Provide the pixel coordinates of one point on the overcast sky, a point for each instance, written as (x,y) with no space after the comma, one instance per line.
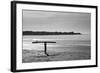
(56,21)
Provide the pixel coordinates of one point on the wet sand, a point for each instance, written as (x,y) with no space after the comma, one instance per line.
(70,53)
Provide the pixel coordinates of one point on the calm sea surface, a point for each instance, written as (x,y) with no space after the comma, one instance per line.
(62,41)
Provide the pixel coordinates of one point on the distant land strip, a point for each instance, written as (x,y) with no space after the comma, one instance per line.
(49,33)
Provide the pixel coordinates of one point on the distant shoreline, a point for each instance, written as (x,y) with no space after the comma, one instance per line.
(49,33)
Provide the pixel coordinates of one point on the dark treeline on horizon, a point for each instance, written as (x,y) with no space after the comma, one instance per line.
(48,33)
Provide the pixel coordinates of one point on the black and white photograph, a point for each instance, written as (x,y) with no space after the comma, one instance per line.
(55,36)
(47,36)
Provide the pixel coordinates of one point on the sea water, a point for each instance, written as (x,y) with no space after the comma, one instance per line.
(63,42)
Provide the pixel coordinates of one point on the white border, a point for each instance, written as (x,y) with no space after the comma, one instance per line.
(21,65)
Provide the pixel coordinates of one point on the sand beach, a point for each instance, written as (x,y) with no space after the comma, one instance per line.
(70,53)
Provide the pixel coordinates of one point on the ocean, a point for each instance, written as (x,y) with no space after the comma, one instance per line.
(63,42)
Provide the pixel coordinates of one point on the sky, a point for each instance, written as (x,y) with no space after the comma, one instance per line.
(56,21)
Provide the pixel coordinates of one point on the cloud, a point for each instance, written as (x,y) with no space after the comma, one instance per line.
(56,21)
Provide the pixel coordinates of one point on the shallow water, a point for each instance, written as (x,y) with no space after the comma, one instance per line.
(67,47)
(62,41)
